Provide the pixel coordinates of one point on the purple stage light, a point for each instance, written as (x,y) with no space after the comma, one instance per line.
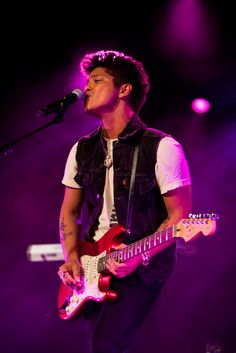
(200,105)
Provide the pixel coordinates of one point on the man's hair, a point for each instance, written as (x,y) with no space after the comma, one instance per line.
(123,69)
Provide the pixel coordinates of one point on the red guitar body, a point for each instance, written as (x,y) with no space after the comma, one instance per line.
(95,285)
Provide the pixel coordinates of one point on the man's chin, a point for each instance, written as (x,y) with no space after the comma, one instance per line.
(92,112)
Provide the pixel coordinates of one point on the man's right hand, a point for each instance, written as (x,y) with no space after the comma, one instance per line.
(70,274)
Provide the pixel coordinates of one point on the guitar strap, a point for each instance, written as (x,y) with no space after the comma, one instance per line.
(131,190)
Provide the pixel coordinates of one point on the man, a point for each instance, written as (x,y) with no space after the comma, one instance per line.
(97,189)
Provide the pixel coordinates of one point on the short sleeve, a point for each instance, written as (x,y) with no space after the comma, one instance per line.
(171,168)
(71,168)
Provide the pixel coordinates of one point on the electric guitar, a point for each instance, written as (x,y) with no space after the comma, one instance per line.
(94,257)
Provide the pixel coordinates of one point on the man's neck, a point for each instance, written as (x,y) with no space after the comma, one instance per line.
(113,125)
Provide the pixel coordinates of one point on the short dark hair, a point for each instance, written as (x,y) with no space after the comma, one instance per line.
(124,69)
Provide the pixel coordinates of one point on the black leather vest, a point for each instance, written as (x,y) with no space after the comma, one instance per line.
(148,207)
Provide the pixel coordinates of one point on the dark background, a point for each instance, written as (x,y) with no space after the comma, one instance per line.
(40,52)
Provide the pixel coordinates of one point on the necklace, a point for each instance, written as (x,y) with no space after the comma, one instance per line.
(108,159)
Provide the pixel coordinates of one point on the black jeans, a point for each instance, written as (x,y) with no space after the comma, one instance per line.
(112,325)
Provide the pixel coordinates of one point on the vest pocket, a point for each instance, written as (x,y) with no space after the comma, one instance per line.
(145,184)
(84,178)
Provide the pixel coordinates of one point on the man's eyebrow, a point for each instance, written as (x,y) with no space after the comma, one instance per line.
(97,75)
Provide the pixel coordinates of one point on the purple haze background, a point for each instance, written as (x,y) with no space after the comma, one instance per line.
(40,64)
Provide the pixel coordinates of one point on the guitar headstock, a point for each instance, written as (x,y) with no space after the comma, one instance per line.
(192,227)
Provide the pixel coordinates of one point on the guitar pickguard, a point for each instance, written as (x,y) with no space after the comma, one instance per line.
(90,285)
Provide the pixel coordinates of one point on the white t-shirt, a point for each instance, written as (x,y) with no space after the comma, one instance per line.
(171,171)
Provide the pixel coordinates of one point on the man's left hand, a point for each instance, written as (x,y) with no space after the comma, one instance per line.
(124,268)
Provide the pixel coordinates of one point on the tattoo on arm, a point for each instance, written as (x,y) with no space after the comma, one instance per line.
(164,224)
(64,231)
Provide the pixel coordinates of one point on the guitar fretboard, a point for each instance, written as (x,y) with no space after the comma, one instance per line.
(137,248)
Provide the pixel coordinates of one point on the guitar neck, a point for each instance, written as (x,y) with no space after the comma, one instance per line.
(128,252)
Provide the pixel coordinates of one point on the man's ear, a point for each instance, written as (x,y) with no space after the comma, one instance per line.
(125,90)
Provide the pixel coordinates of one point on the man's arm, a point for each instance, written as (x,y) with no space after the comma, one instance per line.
(69,272)
(178,203)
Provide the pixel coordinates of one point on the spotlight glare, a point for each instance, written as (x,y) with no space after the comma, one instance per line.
(200,105)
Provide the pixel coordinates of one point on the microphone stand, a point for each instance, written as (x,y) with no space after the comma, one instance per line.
(7,148)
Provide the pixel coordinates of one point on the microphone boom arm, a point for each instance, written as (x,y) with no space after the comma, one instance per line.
(7,148)
(57,107)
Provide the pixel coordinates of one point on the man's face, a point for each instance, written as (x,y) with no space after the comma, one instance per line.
(101,95)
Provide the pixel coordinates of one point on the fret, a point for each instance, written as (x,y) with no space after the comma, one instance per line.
(125,254)
(170,233)
(139,247)
(152,241)
(144,246)
(131,251)
(134,246)
(160,238)
(167,235)
(135,250)
(119,257)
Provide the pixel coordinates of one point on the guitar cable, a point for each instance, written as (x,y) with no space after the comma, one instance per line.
(63,306)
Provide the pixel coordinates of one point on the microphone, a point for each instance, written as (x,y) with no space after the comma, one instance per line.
(62,104)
